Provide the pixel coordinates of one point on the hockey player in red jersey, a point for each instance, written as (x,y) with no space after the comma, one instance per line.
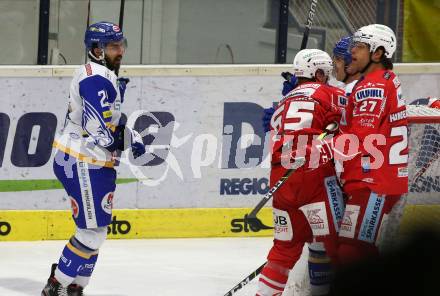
(376,176)
(308,207)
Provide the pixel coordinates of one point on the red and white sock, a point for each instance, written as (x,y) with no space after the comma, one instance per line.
(272,280)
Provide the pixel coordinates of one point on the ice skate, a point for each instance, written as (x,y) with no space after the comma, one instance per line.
(53,287)
(75,290)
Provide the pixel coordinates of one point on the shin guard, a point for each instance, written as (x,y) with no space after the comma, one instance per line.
(320,270)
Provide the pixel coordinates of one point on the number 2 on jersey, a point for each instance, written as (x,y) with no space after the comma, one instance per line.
(103,98)
(395,151)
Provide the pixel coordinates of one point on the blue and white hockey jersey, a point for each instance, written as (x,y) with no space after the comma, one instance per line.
(94,113)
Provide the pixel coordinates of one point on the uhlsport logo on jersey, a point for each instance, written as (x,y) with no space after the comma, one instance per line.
(369,93)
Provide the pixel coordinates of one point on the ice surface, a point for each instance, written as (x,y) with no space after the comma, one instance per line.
(162,267)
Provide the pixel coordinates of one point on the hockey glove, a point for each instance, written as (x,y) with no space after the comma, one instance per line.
(325,149)
(137,145)
(122,84)
(318,153)
(128,138)
(290,83)
(266,118)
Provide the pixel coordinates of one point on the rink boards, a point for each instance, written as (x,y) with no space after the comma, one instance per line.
(171,223)
(208,153)
(145,223)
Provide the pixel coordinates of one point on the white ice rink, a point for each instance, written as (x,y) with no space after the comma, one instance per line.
(160,267)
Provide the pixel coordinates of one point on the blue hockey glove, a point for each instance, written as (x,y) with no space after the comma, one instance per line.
(266,118)
(122,84)
(290,83)
(137,146)
(138,149)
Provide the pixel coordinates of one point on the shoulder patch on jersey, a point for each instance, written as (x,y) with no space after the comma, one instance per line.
(387,75)
(342,101)
(107,113)
(88,69)
(398,116)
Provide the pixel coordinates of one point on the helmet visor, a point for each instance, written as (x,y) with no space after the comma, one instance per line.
(117,45)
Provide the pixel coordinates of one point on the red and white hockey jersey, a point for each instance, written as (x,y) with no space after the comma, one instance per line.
(304,113)
(376,116)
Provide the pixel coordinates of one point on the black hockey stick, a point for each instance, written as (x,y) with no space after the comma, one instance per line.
(121,14)
(255,223)
(88,24)
(121,24)
(245,281)
(309,23)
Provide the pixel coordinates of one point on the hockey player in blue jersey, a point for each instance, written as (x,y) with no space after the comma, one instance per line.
(86,152)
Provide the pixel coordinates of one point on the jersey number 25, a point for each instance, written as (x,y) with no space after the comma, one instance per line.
(299,111)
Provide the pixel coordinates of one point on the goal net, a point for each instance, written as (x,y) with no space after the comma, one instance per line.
(423,181)
(424,155)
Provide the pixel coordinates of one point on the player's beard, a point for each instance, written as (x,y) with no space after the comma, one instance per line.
(113,64)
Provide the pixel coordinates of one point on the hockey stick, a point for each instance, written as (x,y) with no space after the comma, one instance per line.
(245,281)
(88,24)
(121,14)
(252,219)
(256,223)
(121,24)
(311,15)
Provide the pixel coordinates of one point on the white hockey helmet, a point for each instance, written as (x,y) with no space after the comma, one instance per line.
(377,35)
(308,61)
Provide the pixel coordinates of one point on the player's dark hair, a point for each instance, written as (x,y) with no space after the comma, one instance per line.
(386,62)
(304,79)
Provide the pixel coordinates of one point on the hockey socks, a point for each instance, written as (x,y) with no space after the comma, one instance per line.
(73,260)
(85,272)
(272,280)
(320,270)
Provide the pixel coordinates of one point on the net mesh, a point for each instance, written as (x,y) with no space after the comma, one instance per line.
(424,155)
